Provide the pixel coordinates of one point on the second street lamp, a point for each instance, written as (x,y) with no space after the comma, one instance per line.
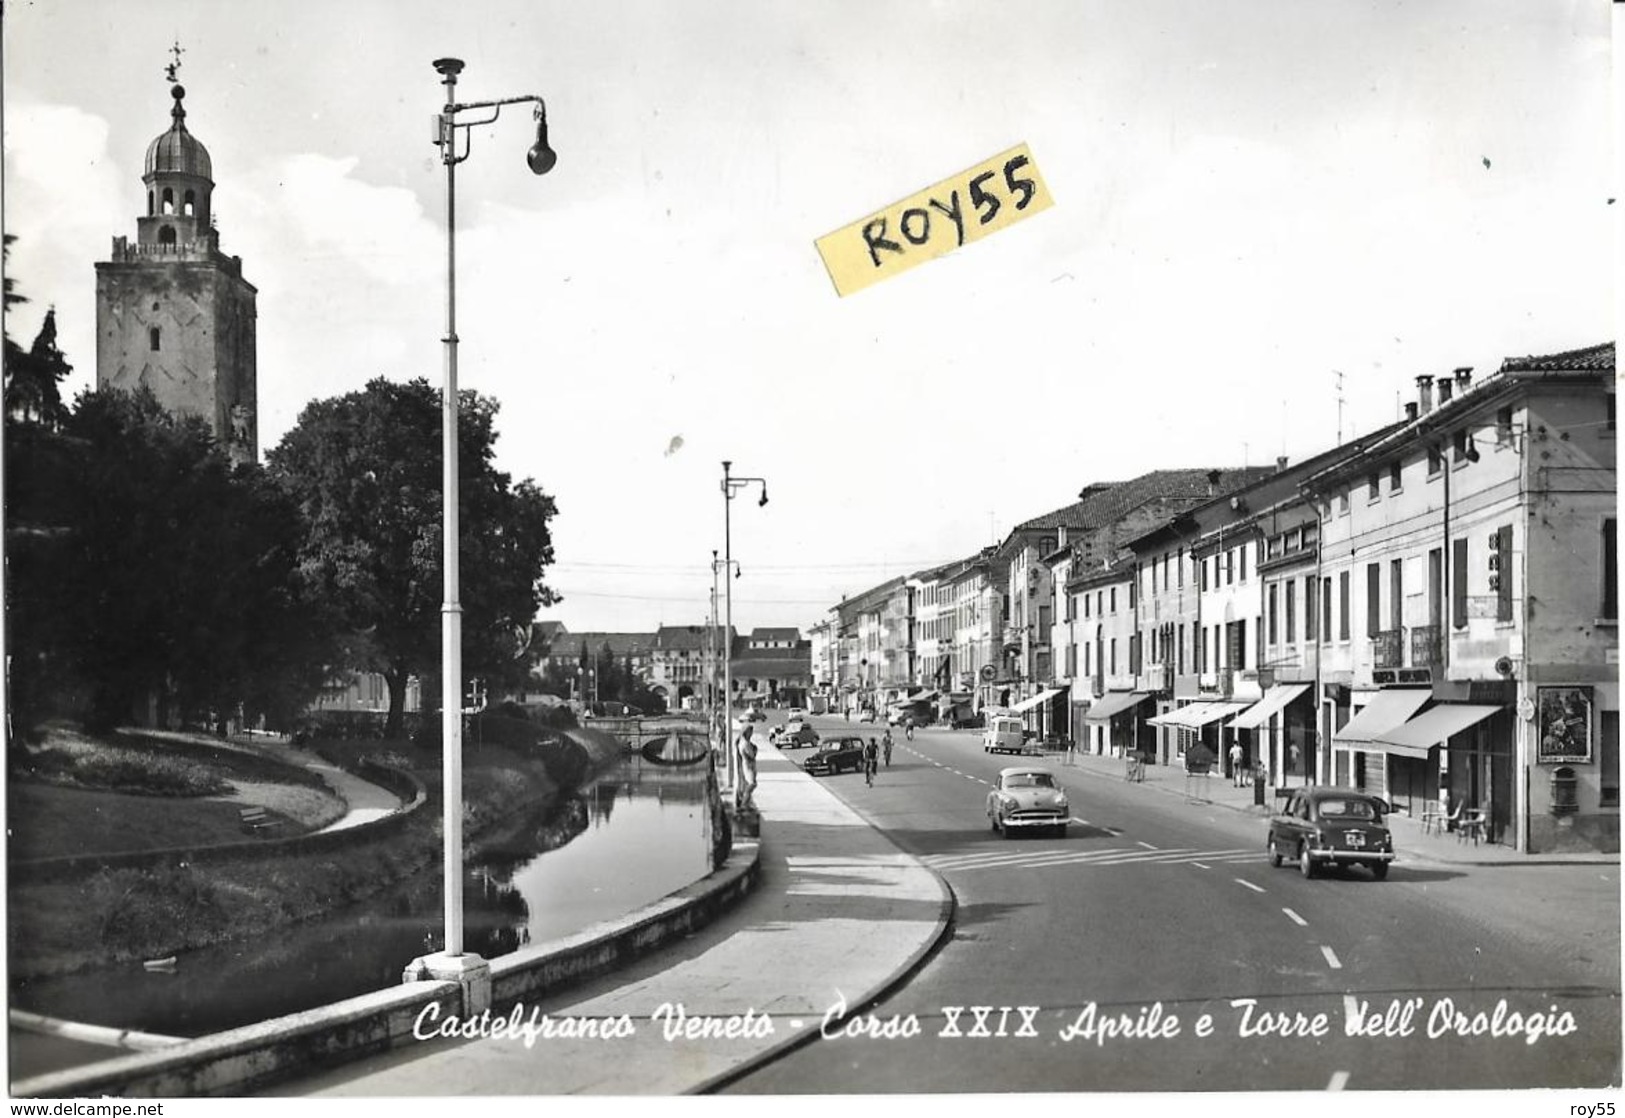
(451,962)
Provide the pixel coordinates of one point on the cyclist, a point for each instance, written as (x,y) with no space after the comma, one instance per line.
(870,759)
(885,746)
(908,727)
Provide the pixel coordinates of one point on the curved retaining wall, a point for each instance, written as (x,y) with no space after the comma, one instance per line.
(241,1060)
(408,787)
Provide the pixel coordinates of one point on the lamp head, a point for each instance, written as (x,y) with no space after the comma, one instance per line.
(541,157)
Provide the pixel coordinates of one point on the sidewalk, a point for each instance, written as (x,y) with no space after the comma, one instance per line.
(1410,842)
(840,914)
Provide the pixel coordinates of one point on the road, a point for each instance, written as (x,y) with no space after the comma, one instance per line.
(1155,949)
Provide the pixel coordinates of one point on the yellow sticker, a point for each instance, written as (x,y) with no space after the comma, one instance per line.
(980,200)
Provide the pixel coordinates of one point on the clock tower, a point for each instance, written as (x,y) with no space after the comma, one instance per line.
(172,311)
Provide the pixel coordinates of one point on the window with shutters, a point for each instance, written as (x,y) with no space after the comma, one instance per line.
(1458,583)
(1610,568)
(1501,573)
(1373,599)
(1343,606)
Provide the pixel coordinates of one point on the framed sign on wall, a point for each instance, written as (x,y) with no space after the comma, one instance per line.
(1564,723)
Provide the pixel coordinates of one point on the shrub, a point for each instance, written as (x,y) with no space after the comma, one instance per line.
(117,769)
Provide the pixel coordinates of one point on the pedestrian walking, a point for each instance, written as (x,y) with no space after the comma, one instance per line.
(908,728)
(1235,763)
(871,757)
(885,746)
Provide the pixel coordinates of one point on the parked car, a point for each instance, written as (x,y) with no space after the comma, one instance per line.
(968,721)
(1323,826)
(796,735)
(844,754)
(1004,734)
(794,713)
(1028,796)
(867,714)
(755,715)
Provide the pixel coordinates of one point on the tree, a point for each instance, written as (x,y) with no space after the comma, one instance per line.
(33,377)
(160,571)
(365,470)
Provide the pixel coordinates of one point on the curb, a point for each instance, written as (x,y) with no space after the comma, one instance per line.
(947,906)
(1413,857)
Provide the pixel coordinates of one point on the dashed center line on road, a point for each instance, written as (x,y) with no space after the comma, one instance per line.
(1249,885)
(1147,845)
(1295,918)
(1201,865)
(1331,957)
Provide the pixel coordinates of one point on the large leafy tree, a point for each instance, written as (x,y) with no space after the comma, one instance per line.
(155,568)
(365,469)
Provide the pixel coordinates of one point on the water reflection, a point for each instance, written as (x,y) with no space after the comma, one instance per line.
(639,832)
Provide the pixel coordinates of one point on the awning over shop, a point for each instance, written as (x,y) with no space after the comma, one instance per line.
(1177,716)
(1274,701)
(1431,727)
(1386,711)
(1114,702)
(1036,700)
(1196,715)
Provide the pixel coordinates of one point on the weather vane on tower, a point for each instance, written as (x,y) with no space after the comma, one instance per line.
(169,70)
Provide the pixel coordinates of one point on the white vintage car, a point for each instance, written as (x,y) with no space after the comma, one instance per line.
(1028,796)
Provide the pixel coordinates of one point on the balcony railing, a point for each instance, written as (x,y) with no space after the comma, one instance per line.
(1388,649)
(1425,651)
(1220,684)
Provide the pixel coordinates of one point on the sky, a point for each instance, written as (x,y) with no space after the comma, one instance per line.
(1260,207)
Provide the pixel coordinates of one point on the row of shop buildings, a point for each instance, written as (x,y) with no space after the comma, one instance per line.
(1431,608)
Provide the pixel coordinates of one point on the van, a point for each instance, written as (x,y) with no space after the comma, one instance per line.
(1004,734)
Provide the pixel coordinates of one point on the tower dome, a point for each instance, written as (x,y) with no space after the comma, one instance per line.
(177,151)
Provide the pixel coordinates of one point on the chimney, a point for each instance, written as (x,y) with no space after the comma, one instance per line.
(1445,385)
(1464,379)
(1424,394)
(1410,410)
(1213,482)
(1280,464)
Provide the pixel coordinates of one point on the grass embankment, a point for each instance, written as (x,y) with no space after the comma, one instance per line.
(114,916)
(74,794)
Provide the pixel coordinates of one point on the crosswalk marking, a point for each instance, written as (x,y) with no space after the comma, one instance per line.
(1111,856)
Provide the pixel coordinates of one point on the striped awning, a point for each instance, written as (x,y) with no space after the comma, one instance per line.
(1432,727)
(1273,702)
(1386,711)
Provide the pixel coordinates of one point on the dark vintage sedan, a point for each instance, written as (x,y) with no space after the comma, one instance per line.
(1332,827)
(836,755)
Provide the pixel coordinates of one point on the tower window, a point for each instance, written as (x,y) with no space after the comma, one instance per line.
(189,204)
(154,338)
(169,201)
(152,203)
(166,235)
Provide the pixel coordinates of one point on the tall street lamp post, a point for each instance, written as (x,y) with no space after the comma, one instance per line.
(452,962)
(730,485)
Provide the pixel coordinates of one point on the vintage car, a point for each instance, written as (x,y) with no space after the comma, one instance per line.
(1028,796)
(1322,826)
(867,714)
(795,735)
(836,755)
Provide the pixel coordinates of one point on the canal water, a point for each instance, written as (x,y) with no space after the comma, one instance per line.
(639,832)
